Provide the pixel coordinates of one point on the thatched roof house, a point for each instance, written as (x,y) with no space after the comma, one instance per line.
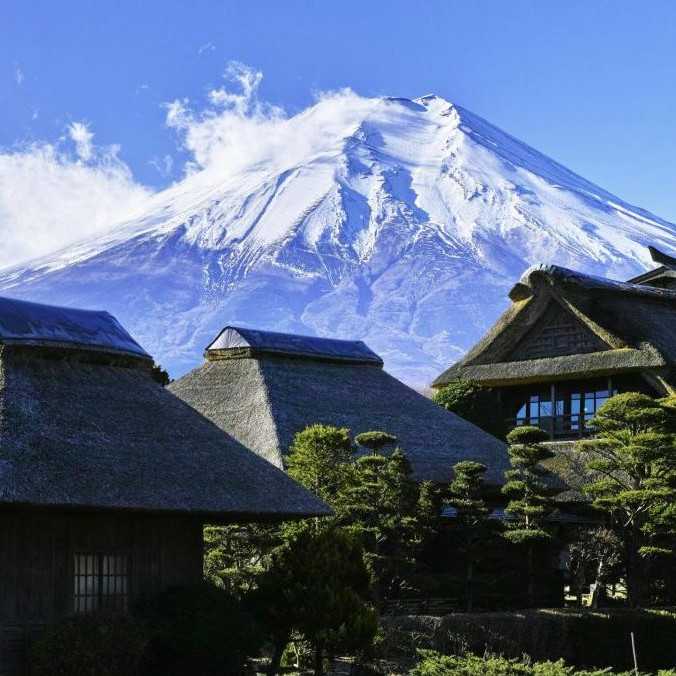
(105,476)
(569,341)
(83,424)
(262,388)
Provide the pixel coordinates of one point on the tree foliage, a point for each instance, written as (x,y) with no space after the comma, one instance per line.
(392,515)
(234,555)
(473,402)
(375,441)
(632,458)
(318,586)
(320,458)
(472,526)
(530,490)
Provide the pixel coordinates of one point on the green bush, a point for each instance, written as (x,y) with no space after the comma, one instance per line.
(473,402)
(197,630)
(434,664)
(584,639)
(100,644)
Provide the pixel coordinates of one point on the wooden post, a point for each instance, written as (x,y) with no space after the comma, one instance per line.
(633,650)
(552,396)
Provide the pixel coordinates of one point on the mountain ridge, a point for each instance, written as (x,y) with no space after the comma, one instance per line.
(399,222)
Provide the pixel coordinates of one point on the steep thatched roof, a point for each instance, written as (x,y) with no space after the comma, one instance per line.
(87,429)
(621,327)
(263,399)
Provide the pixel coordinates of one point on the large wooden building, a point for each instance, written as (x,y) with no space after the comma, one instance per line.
(569,341)
(106,478)
(262,387)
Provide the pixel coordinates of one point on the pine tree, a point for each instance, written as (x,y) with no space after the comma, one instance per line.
(530,494)
(632,458)
(391,515)
(321,459)
(317,585)
(375,441)
(471,524)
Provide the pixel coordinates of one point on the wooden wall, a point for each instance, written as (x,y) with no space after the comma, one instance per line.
(36,564)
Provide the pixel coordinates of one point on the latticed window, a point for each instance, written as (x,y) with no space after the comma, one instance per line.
(101,582)
(563,409)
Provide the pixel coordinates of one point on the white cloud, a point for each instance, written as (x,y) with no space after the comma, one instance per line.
(82,137)
(238,129)
(18,76)
(54,194)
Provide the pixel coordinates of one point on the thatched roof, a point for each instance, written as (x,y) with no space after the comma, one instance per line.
(263,399)
(239,341)
(621,327)
(24,323)
(84,429)
(664,276)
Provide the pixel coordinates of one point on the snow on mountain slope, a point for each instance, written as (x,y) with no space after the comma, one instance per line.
(399,222)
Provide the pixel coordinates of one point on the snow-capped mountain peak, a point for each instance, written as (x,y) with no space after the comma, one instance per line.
(400,222)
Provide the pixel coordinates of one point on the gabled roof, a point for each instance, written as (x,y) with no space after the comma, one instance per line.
(27,323)
(232,339)
(263,401)
(664,275)
(635,323)
(81,432)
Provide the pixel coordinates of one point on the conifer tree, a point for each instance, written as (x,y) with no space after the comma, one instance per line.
(391,515)
(317,585)
(632,458)
(530,494)
(471,524)
(375,440)
(321,459)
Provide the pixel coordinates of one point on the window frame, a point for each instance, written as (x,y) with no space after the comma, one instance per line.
(102,597)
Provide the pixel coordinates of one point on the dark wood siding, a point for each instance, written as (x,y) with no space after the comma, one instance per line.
(36,564)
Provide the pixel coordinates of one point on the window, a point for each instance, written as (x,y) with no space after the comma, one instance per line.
(563,409)
(101,582)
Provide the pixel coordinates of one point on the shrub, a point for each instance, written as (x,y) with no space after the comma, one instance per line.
(198,630)
(582,638)
(100,644)
(434,664)
(473,402)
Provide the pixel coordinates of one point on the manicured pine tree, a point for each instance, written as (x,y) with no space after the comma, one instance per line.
(471,523)
(375,440)
(321,459)
(530,495)
(391,515)
(317,585)
(632,458)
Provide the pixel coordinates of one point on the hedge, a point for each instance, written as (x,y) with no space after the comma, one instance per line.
(583,638)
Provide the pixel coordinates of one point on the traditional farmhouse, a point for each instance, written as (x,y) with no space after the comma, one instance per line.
(106,477)
(569,341)
(261,388)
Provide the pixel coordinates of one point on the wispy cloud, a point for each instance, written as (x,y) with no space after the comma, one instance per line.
(54,194)
(206,47)
(237,128)
(82,137)
(164,165)
(18,75)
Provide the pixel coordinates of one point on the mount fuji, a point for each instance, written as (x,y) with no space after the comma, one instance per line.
(399,222)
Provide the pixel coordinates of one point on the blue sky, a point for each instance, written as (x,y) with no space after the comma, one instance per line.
(588,83)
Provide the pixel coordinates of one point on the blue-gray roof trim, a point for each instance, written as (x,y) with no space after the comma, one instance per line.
(23,322)
(234,337)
